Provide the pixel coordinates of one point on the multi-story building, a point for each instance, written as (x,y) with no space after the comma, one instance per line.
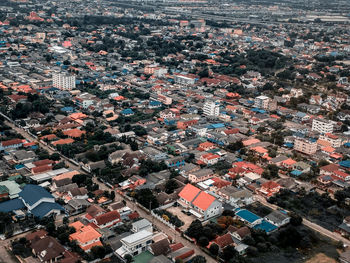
(63,81)
(262,102)
(204,205)
(334,140)
(322,126)
(135,243)
(305,146)
(211,108)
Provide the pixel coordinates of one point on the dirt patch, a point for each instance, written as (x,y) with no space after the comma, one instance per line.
(321,258)
(183,217)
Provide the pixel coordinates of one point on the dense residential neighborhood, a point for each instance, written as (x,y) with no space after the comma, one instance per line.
(174,131)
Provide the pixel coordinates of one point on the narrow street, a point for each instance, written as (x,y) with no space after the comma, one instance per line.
(162,226)
(313,226)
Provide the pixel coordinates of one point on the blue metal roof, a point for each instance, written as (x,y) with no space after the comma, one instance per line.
(296,172)
(266,226)
(216,125)
(44,208)
(11,205)
(67,109)
(345,164)
(247,215)
(127,111)
(33,193)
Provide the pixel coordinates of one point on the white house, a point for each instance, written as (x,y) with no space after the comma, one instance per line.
(135,243)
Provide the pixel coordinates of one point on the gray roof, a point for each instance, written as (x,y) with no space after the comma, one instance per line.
(277,216)
(141,223)
(202,172)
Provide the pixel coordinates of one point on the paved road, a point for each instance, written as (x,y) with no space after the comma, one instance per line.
(162,226)
(5,257)
(28,137)
(306,222)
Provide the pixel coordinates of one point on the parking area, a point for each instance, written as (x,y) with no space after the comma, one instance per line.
(187,219)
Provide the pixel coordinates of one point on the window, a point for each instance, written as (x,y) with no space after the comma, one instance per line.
(149,242)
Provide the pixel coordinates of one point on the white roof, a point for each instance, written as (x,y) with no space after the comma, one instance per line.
(143,234)
(48,175)
(252,176)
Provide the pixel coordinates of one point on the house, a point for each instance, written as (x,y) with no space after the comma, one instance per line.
(107,220)
(140,225)
(135,244)
(277,218)
(209,158)
(200,175)
(176,161)
(85,236)
(223,241)
(181,254)
(78,193)
(93,211)
(47,249)
(236,197)
(11,144)
(269,188)
(248,217)
(239,233)
(38,201)
(205,205)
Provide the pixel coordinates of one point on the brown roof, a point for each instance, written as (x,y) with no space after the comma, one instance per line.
(78,191)
(94,210)
(161,247)
(11,142)
(224,241)
(36,235)
(243,232)
(47,248)
(107,217)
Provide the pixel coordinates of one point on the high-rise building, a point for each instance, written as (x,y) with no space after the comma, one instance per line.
(211,108)
(63,81)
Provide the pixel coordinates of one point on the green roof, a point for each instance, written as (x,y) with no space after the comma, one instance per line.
(14,178)
(3,190)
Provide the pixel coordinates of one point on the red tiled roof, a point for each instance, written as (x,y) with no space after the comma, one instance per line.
(224,241)
(41,169)
(43,162)
(107,217)
(11,142)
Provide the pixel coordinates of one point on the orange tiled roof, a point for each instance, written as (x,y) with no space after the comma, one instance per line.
(63,141)
(289,161)
(189,192)
(203,200)
(75,133)
(85,234)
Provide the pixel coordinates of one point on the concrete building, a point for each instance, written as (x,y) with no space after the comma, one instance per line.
(262,102)
(322,126)
(211,108)
(305,146)
(63,81)
(135,243)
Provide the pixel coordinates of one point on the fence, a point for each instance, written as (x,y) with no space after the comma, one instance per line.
(163,220)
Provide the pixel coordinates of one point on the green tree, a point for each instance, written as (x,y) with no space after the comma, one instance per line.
(214,249)
(198,259)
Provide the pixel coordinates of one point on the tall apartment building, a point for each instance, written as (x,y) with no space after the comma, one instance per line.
(262,102)
(322,126)
(305,146)
(63,81)
(211,108)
